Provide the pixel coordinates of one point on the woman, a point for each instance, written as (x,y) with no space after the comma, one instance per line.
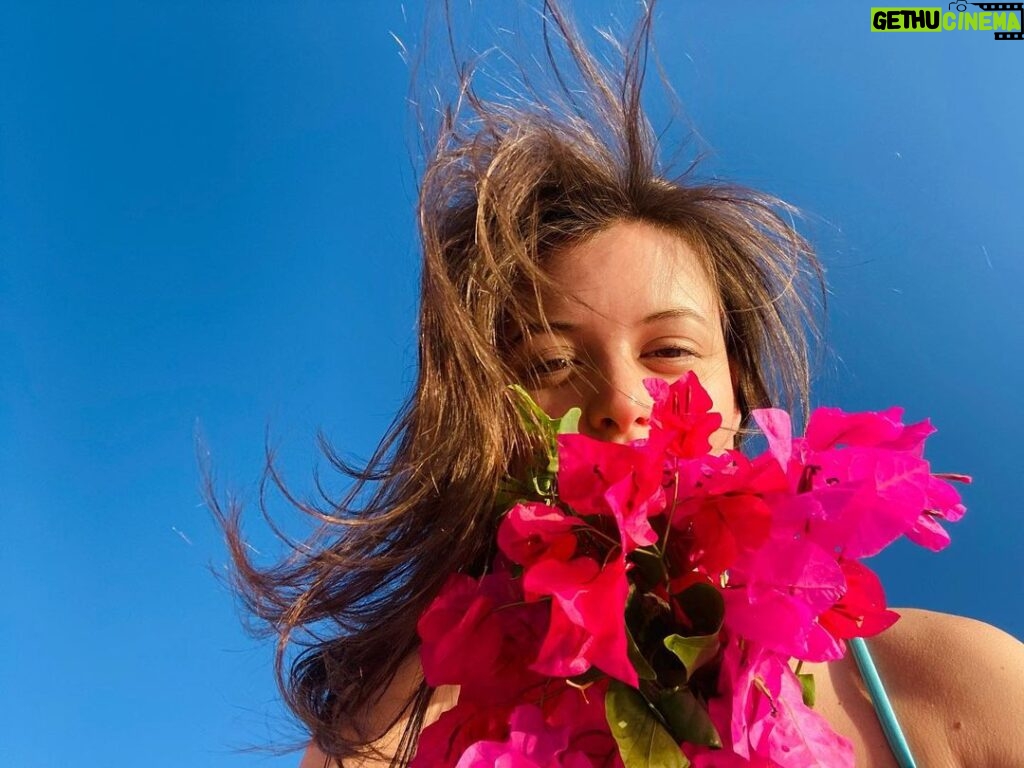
(557,253)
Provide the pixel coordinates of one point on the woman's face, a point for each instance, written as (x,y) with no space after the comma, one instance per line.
(632,302)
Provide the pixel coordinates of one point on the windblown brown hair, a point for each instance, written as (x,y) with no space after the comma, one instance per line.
(506,185)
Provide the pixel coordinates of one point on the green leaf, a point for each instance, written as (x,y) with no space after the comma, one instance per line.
(569,424)
(642,739)
(694,652)
(704,606)
(535,417)
(687,719)
(643,670)
(807,686)
(538,422)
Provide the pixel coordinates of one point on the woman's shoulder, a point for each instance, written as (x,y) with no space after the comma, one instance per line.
(966,659)
(956,683)
(387,719)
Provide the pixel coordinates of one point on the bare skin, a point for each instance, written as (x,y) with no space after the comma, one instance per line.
(957,686)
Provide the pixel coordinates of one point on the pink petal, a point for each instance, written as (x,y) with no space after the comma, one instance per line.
(531,531)
(564,651)
(802,736)
(777,427)
(591,597)
(928,533)
(799,570)
(830,427)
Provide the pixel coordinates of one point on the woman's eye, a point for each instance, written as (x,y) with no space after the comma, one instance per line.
(551,366)
(671,353)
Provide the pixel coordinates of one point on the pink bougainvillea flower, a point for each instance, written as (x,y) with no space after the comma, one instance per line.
(869,496)
(782,625)
(943,503)
(590,743)
(802,736)
(467,641)
(777,427)
(913,436)
(762,718)
(928,533)
(796,569)
(587,616)
(742,712)
(566,649)
(806,515)
(727,474)
(531,743)
(756,685)
(633,499)
(603,478)
(880,480)
(681,417)
(568,730)
(861,611)
(442,743)
(777,601)
(833,427)
(532,531)
(704,757)
(723,527)
(778,536)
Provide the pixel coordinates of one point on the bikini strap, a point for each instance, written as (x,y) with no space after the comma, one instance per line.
(880,700)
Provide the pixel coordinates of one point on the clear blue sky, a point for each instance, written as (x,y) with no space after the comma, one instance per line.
(206,218)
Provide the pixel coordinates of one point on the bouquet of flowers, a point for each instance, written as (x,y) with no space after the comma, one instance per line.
(646,601)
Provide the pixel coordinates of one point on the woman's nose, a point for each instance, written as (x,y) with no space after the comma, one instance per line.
(619,407)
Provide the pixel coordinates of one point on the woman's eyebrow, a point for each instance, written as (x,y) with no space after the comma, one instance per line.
(557,325)
(561,326)
(685,313)
(536,329)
